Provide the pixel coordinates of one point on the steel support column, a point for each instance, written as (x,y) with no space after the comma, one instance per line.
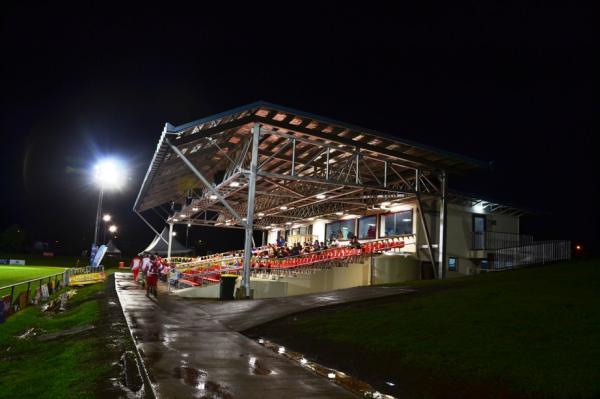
(169,244)
(152,228)
(443,226)
(424,223)
(250,212)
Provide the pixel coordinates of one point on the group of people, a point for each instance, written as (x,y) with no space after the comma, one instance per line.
(152,268)
(283,250)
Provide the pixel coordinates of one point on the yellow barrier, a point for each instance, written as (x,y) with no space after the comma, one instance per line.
(88,278)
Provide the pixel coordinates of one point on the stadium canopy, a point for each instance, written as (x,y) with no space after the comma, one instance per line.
(264,165)
(160,245)
(112,249)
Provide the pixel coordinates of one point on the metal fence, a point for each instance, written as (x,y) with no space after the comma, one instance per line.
(540,252)
(491,240)
(18,296)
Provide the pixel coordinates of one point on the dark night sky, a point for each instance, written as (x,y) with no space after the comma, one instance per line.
(508,84)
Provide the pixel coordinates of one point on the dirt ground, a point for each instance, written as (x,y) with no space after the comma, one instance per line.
(380,371)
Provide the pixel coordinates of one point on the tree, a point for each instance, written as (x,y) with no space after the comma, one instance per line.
(13,239)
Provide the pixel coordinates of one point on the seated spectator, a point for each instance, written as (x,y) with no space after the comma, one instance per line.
(354,243)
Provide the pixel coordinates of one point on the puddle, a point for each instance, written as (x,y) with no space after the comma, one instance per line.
(216,391)
(190,376)
(198,379)
(258,368)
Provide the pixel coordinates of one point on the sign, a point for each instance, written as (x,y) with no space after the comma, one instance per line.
(48,254)
(4,261)
(45,292)
(87,278)
(17,262)
(93,252)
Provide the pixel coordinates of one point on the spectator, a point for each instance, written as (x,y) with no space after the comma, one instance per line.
(354,243)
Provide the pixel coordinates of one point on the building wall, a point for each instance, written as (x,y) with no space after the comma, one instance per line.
(459,234)
(459,231)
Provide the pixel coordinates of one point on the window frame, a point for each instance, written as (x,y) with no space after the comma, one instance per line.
(359,221)
(353,232)
(381,223)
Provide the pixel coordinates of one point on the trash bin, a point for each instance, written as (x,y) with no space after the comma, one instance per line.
(121,265)
(227,286)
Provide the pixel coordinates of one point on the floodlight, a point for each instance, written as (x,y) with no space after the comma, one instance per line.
(106,218)
(112,229)
(109,174)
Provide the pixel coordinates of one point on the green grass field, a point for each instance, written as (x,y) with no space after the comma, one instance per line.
(535,331)
(13,274)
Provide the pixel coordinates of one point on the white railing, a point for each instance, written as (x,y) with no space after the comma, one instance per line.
(540,252)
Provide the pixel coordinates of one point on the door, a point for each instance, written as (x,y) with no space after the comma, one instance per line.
(479,224)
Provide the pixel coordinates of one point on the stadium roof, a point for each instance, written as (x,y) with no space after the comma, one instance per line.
(309,166)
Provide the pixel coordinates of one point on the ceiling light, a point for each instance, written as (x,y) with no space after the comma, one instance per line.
(321,196)
(212,197)
(234,184)
(339,213)
(386,203)
(261,214)
(195,209)
(283,208)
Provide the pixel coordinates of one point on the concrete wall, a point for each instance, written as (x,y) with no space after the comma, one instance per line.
(459,234)
(396,269)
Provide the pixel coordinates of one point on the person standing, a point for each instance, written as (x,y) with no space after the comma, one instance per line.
(152,277)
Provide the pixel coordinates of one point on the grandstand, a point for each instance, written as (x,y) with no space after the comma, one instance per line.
(299,177)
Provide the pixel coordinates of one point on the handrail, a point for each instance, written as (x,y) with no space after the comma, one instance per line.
(35,279)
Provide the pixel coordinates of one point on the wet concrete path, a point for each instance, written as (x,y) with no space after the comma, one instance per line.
(192,348)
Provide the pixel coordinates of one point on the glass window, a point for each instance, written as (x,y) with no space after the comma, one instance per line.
(340,230)
(395,224)
(367,227)
(452,264)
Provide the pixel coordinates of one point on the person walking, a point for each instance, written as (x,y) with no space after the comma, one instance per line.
(152,277)
(136,264)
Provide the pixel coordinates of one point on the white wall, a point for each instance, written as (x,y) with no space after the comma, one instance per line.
(319,229)
(272,236)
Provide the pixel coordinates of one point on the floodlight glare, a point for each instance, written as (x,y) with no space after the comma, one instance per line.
(109,174)
(112,228)
(106,218)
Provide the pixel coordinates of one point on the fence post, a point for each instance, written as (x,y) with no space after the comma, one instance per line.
(12,297)
(28,288)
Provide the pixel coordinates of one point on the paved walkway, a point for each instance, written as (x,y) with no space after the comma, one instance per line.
(191,348)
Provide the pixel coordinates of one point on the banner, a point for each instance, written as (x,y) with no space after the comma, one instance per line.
(87,278)
(99,255)
(17,262)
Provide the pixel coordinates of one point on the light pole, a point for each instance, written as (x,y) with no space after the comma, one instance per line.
(109,174)
(106,218)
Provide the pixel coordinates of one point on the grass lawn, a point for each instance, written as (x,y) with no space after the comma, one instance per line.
(13,274)
(534,331)
(68,367)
